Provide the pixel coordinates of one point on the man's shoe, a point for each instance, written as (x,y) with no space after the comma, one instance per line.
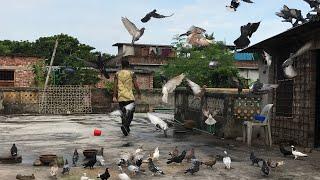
(128,128)
(124,131)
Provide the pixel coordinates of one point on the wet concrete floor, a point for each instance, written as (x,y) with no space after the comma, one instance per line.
(35,135)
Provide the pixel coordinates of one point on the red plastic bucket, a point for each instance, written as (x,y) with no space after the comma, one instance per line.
(97,132)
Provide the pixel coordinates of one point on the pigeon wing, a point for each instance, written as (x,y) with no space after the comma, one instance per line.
(247,1)
(174,82)
(132,28)
(242,42)
(253,28)
(302,50)
(156,15)
(290,72)
(196,89)
(146,18)
(157,121)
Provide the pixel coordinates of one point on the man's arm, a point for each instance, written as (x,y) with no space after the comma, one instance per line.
(136,86)
(115,88)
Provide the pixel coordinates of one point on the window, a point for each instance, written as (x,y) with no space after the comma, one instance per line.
(6,78)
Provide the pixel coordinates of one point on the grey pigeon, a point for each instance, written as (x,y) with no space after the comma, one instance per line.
(14,150)
(246,32)
(261,88)
(265,170)
(289,14)
(153,168)
(66,168)
(75,157)
(153,14)
(132,29)
(194,168)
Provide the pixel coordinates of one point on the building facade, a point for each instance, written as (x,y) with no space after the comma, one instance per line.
(247,66)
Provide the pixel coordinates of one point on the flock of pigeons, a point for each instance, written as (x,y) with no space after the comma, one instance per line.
(132,161)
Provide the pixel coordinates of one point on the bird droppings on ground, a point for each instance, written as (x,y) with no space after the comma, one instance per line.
(61,135)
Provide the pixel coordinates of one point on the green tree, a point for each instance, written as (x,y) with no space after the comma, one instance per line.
(194,62)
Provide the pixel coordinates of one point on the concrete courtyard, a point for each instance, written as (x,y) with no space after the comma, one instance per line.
(60,135)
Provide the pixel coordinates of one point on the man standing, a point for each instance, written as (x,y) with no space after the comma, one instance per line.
(124,82)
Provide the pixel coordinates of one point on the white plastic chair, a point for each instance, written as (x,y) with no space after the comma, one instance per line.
(248,126)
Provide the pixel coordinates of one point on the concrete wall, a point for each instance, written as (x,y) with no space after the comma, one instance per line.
(23,69)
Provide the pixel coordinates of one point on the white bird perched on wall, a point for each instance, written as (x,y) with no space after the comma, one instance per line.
(297,153)
(170,86)
(122,175)
(227,160)
(84,177)
(159,123)
(156,154)
(132,29)
(267,58)
(210,120)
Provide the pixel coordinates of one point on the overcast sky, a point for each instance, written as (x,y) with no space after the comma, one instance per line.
(98,22)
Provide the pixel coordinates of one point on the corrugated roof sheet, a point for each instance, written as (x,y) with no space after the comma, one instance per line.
(243,56)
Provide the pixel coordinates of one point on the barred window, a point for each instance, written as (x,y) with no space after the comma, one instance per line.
(6,78)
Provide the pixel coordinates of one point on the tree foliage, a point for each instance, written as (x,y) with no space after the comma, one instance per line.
(194,62)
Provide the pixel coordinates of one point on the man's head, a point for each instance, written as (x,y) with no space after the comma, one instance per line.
(125,64)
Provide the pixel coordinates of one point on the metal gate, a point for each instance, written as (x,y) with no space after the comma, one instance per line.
(65,100)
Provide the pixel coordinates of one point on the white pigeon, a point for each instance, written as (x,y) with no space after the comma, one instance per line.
(100,160)
(132,29)
(267,58)
(129,107)
(300,51)
(84,177)
(227,161)
(139,150)
(122,175)
(116,113)
(156,154)
(196,89)
(290,72)
(54,170)
(297,153)
(170,86)
(210,120)
(133,169)
(159,123)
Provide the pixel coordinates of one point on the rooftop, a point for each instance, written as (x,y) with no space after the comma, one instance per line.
(148,45)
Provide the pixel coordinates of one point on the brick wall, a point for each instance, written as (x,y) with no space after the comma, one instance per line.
(23,69)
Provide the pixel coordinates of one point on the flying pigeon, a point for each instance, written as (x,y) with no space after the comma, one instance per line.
(284,151)
(159,123)
(14,150)
(54,169)
(84,177)
(289,14)
(210,120)
(156,154)
(297,153)
(153,14)
(177,159)
(227,161)
(261,88)
(170,86)
(193,29)
(246,33)
(314,4)
(66,168)
(75,157)
(265,170)
(194,168)
(25,177)
(198,92)
(254,159)
(122,175)
(190,155)
(199,40)
(132,29)
(153,168)
(105,175)
(90,163)
(174,152)
(233,5)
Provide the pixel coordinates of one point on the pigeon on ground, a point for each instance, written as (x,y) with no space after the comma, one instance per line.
(14,150)
(132,29)
(289,14)
(159,123)
(84,177)
(54,169)
(226,160)
(254,159)
(90,163)
(284,151)
(274,164)
(190,155)
(156,154)
(139,150)
(177,159)
(138,163)
(170,86)
(194,168)
(133,169)
(75,157)
(246,33)
(153,168)
(198,91)
(174,152)
(265,170)
(153,14)
(210,163)
(105,175)
(210,120)
(261,88)
(66,168)
(122,175)
(297,153)
(100,160)
(25,177)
